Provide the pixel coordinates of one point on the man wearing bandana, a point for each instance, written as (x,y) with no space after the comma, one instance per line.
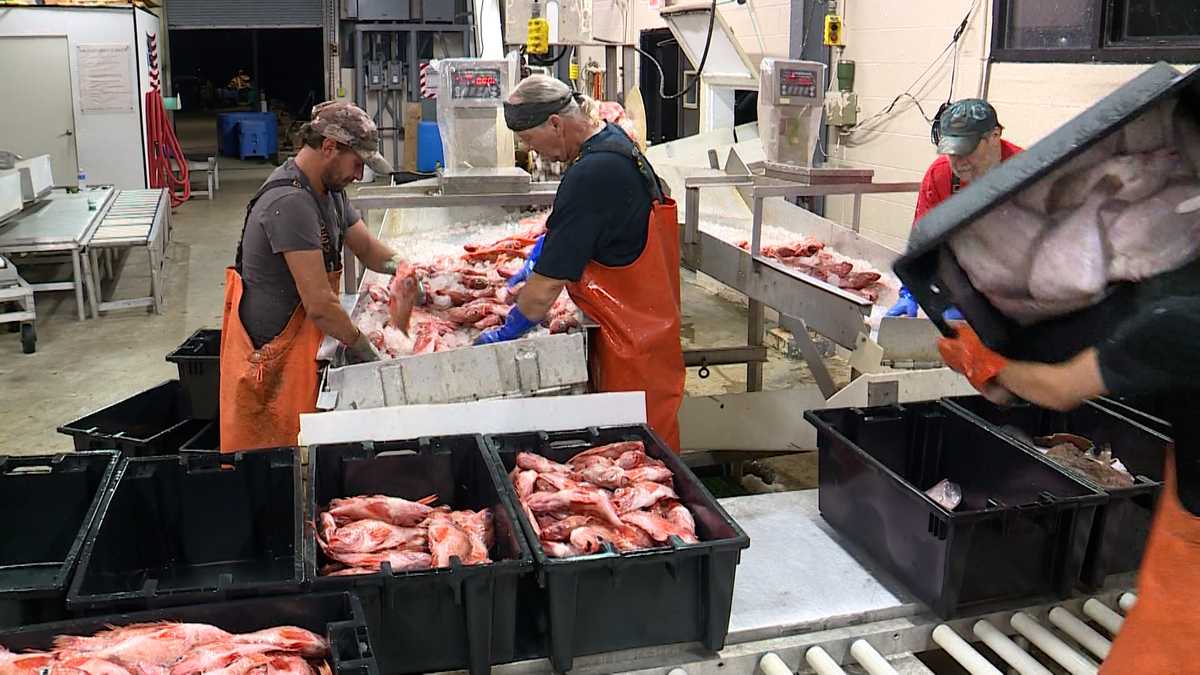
(612,241)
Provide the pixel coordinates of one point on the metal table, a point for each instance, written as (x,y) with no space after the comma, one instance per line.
(62,224)
(134,219)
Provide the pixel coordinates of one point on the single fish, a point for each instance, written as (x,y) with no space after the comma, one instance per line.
(641,496)
(659,528)
(1152,237)
(947,494)
(368,536)
(287,639)
(392,510)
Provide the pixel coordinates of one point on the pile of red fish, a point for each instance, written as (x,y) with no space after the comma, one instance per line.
(176,649)
(359,534)
(807,256)
(613,493)
(465,294)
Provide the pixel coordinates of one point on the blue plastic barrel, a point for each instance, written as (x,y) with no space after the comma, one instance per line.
(429,147)
(228,134)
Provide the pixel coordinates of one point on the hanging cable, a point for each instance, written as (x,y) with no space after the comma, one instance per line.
(913,89)
(563,51)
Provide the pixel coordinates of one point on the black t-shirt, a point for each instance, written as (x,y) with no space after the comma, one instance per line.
(1155,352)
(601,212)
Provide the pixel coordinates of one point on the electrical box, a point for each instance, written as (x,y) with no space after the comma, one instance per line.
(437,11)
(570,20)
(394,71)
(375,76)
(377,10)
(833,31)
(841,109)
(790,104)
(37,178)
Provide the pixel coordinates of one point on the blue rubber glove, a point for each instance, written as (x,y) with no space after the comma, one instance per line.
(905,306)
(953,314)
(515,325)
(527,268)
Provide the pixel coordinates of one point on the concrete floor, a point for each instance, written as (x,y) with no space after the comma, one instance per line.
(80,367)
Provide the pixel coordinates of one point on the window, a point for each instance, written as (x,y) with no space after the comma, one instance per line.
(691,100)
(1112,31)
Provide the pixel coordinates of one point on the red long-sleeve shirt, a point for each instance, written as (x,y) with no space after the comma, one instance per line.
(938,184)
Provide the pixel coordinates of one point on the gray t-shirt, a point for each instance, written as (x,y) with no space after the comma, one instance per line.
(284,219)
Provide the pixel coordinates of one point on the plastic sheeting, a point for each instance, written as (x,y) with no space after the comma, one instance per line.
(471,95)
(789,109)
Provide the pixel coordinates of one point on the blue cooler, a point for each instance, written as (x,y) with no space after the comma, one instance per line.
(253,139)
(229,134)
(429,147)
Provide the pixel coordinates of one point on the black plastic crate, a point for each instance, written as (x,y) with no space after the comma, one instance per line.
(199,362)
(194,528)
(49,502)
(1121,526)
(1021,530)
(208,439)
(337,616)
(153,422)
(461,617)
(1147,411)
(612,600)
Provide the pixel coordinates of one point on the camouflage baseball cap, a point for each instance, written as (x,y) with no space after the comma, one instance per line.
(963,124)
(347,123)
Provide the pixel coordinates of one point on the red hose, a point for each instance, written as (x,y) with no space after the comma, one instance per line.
(162,148)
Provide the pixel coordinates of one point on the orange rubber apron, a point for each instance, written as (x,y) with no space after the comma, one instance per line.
(1162,633)
(264,391)
(637,307)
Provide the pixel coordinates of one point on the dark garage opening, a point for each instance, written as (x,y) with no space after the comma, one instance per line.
(285,64)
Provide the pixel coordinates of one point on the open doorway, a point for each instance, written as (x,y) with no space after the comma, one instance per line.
(664,119)
(236,70)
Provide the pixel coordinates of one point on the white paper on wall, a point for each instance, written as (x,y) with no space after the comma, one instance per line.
(105,78)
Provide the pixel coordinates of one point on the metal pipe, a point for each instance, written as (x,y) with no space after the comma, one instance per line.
(1126,601)
(822,663)
(771,664)
(960,651)
(871,660)
(1062,653)
(1008,650)
(1101,614)
(1080,632)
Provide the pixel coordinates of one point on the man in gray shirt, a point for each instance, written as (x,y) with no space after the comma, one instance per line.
(282,293)
(284,236)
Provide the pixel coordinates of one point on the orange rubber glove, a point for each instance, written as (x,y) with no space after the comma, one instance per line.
(966,353)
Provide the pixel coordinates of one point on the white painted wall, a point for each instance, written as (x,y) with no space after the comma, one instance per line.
(110,145)
(892,42)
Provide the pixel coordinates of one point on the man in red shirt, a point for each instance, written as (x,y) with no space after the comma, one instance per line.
(969,145)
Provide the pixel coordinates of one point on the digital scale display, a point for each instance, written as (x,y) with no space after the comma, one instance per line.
(475,83)
(797,83)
